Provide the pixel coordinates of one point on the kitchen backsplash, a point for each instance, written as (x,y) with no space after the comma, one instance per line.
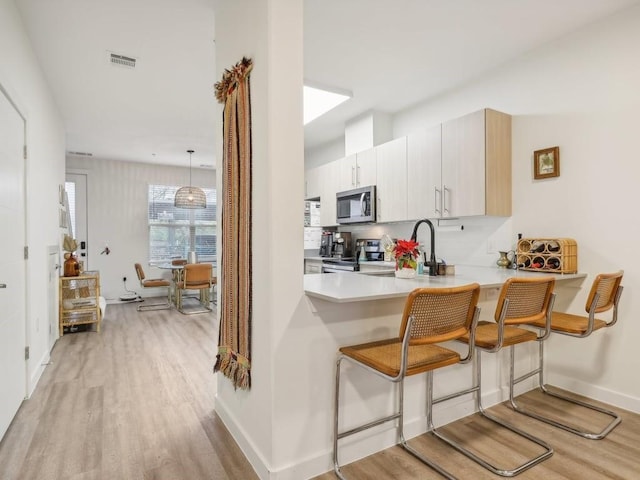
(477,244)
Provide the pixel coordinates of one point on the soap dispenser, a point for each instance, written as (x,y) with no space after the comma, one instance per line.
(363,255)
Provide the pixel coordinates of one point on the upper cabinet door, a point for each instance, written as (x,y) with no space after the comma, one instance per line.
(391,186)
(366,168)
(328,174)
(312,183)
(424,174)
(463,168)
(346,173)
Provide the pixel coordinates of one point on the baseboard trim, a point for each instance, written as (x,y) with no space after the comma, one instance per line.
(37,372)
(612,397)
(380,438)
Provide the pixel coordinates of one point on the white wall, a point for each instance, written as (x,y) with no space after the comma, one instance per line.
(22,78)
(580,93)
(117,195)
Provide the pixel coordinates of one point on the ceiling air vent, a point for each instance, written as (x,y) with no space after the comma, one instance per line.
(123,61)
(80,154)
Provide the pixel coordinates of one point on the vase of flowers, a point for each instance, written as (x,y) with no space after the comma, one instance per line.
(406,252)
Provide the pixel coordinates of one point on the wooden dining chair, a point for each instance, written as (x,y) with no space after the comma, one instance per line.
(522,301)
(153,283)
(195,276)
(604,297)
(431,316)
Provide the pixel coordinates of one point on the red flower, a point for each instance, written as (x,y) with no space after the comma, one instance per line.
(406,247)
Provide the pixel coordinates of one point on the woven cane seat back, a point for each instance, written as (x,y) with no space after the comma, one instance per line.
(605,284)
(528,300)
(440,314)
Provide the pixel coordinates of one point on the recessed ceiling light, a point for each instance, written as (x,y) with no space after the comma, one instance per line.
(318,101)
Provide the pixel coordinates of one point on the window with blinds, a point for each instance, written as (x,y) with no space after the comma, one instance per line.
(174,232)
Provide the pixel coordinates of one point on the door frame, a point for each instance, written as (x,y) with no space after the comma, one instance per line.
(27,310)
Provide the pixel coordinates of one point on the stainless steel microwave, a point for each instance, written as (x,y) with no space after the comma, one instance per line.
(356,206)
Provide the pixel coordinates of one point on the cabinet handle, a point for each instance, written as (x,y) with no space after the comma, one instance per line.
(3,285)
(437,197)
(353,176)
(444,199)
(358,175)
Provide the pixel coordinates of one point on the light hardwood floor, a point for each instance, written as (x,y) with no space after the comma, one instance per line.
(136,402)
(617,456)
(133,402)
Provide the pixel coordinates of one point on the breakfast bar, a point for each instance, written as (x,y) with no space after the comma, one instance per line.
(356,287)
(349,308)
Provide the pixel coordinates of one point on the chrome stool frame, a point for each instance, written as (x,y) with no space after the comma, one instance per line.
(602,297)
(399,379)
(503,310)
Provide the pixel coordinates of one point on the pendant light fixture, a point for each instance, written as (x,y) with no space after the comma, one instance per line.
(190,197)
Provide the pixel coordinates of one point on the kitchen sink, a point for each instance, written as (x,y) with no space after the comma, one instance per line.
(379,273)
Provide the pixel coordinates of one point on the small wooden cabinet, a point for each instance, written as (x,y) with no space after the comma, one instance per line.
(80,301)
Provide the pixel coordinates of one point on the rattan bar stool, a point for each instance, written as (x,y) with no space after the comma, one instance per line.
(521,301)
(604,296)
(431,316)
(153,283)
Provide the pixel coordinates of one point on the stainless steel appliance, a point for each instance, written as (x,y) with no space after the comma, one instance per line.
(356,206)
(373,249)
(326,244)
(342,245)
(337,265)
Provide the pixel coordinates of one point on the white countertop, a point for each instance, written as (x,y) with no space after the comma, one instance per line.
(347,287)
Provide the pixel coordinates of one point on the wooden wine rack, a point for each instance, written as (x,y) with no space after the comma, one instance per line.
(553,255)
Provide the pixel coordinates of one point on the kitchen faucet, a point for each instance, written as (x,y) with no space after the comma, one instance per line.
(432,264)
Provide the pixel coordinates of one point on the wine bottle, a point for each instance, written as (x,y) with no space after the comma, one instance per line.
(553,263)
(524,262)
(553,247)
(537,247)
(538,262)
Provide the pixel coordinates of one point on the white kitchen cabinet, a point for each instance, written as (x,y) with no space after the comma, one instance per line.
(312,265)
(424,173)
(391,186)
(312,183)
(328,189)
(356,170)
(476,165)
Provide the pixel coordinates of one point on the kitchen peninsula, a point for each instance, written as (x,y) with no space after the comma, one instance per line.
(356,287)
(350,308)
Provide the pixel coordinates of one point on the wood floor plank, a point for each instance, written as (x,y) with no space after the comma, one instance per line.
(134,402)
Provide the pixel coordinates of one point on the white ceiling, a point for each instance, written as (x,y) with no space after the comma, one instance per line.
(390,55)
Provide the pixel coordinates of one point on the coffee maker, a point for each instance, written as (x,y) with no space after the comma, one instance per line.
(326,244)
(342,245)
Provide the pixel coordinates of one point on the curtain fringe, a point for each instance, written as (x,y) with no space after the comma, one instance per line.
(235,367)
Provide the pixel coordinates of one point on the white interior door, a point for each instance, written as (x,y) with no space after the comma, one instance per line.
(13,367)
(77,194)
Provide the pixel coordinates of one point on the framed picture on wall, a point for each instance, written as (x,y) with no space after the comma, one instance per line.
(546,163)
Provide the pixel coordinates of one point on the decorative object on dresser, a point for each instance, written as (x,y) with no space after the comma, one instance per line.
(546,163)
(553,255)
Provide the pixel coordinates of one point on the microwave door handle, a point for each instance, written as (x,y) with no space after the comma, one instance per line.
(362,204)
